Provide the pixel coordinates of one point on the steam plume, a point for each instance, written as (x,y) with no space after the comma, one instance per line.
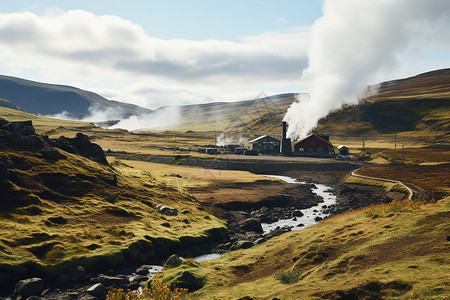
(352,43)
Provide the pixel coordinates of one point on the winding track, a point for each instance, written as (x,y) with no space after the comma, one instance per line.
(410,192)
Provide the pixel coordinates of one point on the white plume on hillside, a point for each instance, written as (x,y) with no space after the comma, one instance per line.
(356,41)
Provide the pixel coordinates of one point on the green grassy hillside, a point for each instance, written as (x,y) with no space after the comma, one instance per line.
(389,251)
(56,214)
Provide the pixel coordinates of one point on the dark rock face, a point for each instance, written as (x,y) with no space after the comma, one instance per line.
(29,287)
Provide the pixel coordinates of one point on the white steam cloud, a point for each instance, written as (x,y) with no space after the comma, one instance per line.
(161,118)
(353,43)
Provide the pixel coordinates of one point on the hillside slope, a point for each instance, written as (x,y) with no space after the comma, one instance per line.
(415,107)
(396,251)
(46,99)
(62,205)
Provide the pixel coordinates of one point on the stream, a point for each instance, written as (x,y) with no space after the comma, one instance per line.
(309,214)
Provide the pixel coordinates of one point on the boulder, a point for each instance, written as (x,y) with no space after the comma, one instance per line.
(251,224)
(51,153)
(185,211)
(297,213)
(29,287)
(97,290)
(166,210)
(173,261)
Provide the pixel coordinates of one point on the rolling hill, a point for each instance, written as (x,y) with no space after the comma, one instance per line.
(47,99)
(416,107)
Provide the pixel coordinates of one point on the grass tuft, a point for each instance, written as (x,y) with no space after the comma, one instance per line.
(287,277)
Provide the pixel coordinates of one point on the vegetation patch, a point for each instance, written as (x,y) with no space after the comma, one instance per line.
(287,277)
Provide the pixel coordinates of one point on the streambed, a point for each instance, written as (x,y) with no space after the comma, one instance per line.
(310,215)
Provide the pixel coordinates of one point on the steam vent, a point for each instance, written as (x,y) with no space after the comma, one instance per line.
(285,146)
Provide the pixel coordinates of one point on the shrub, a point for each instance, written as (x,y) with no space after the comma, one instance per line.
(287,277)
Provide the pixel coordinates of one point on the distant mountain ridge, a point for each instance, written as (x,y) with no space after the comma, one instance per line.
(48,99)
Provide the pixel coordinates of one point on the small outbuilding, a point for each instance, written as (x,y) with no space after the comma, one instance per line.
(266,144)
(343,150)
(313,145)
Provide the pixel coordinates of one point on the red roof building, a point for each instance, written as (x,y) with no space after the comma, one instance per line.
(313,145)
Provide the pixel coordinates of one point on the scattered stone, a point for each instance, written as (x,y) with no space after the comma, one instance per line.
(317,219)
(185,211)
(166,210)
(185,220)
(173,261)
(29,287)
(97,290)
(165,224)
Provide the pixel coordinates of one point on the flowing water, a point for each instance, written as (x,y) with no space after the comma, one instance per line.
(309,214)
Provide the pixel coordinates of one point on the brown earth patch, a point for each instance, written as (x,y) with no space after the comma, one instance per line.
(431,182)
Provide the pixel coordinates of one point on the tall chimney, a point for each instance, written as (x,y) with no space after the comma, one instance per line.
(285,146)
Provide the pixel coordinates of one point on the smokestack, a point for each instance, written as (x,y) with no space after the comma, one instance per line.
(285,146)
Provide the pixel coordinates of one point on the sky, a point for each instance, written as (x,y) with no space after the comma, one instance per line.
(174,52)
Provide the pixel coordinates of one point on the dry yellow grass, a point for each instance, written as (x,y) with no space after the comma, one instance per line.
(403,255)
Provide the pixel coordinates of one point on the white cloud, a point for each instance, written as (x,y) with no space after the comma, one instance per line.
(100,49)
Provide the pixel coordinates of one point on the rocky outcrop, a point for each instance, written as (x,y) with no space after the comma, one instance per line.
(22,134)
(80,145)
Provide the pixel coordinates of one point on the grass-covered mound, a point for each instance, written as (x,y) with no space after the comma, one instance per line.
(58,211)
(389,251)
